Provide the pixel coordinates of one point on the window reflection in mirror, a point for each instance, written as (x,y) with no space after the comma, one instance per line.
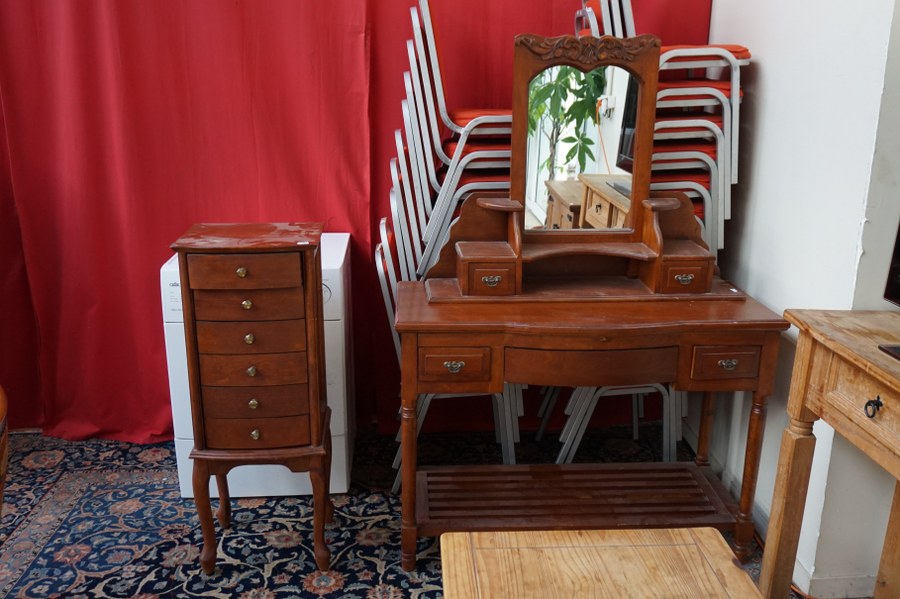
(580,131)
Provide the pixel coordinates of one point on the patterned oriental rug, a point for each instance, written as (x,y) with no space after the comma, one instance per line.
(101,519)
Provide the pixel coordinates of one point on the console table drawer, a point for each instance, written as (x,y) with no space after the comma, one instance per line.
(591,367)
(255,402)
(455,364)
(244,271)
(251,304)
(257,433)
(721,362)
(847,392)
(251,337)
(252,370)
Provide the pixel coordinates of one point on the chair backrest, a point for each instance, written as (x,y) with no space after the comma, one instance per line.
(433,61)
(410,189)
(385,265)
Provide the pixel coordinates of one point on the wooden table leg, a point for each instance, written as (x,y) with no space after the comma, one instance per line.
(791,485)
(707,412)
(200,481)
(888,582)
(743,534)
(223,514)
(408,529)
(321,498)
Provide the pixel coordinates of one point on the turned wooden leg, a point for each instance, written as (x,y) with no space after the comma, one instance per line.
(408,529)
(223,514)
(743,534)
(320,501)
(791,484)
(707,412)
(200,482)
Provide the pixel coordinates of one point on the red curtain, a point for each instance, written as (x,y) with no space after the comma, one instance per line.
(124,122)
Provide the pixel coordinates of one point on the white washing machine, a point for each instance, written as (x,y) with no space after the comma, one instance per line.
(267,481)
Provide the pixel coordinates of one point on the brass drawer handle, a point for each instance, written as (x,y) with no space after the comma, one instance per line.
(729,364)
(249,338)
(454,366)
(246,304)
(685,279)
(253,404)
(491,280)
(241,272)
(251,371)
(254,434)
(873,405)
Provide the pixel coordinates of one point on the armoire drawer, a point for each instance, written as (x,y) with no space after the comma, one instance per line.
(244,271)
(257,433)
(251,337)
(221,370)
(255,402)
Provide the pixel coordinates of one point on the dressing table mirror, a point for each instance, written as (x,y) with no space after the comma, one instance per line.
(583,116)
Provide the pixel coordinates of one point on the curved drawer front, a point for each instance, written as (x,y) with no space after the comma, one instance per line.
(255,402)
(257,433)
(250,304)
(455,364)
(221,370)
(251,337)
(722,362)
(590,368)
(244,271)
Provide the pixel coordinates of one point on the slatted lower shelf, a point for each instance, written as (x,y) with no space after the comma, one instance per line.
(571,496)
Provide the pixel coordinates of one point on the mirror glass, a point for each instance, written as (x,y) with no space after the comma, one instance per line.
(579,148)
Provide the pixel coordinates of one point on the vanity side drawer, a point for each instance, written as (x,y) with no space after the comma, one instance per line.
(244,271)
(492,279)
(721,362)
(251,337)
(686,277)
(255,402)
(847,391)
(250,304)
(455,364)
(222,370)
(257,433)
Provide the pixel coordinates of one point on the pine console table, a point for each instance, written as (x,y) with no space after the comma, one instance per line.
(842,377)
(715,344)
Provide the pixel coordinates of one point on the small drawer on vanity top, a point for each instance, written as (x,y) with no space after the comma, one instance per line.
(244,271)
(257,433)
(681,277)
(492,279)
(454,364)
(255,402)
(250,304)
(222,370)
(717,362)
(871,407)
(251,337)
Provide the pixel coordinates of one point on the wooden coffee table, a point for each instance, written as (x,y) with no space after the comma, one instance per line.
(666,562)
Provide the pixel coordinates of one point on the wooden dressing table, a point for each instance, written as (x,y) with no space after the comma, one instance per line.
(634,305)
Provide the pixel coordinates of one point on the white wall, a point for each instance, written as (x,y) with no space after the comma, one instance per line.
(813,222)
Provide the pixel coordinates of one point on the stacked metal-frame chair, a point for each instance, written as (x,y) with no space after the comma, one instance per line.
(698,114)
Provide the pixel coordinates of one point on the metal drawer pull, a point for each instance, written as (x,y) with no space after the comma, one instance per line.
(253,404)
(454,366)
(251,371)
(491,280)
(249,338)
(254,434)
(729,364)
(873,405)
(241,272)
(246,304)
(685,279)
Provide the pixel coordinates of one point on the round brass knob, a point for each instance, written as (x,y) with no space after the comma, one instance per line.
(251,371)
(249,338)
(254,434)
(241,272)
(253,404)
(246,304)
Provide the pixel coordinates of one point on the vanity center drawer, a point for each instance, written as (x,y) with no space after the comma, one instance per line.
(588,368)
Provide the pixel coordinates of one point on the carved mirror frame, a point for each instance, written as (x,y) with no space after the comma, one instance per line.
(637,55)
